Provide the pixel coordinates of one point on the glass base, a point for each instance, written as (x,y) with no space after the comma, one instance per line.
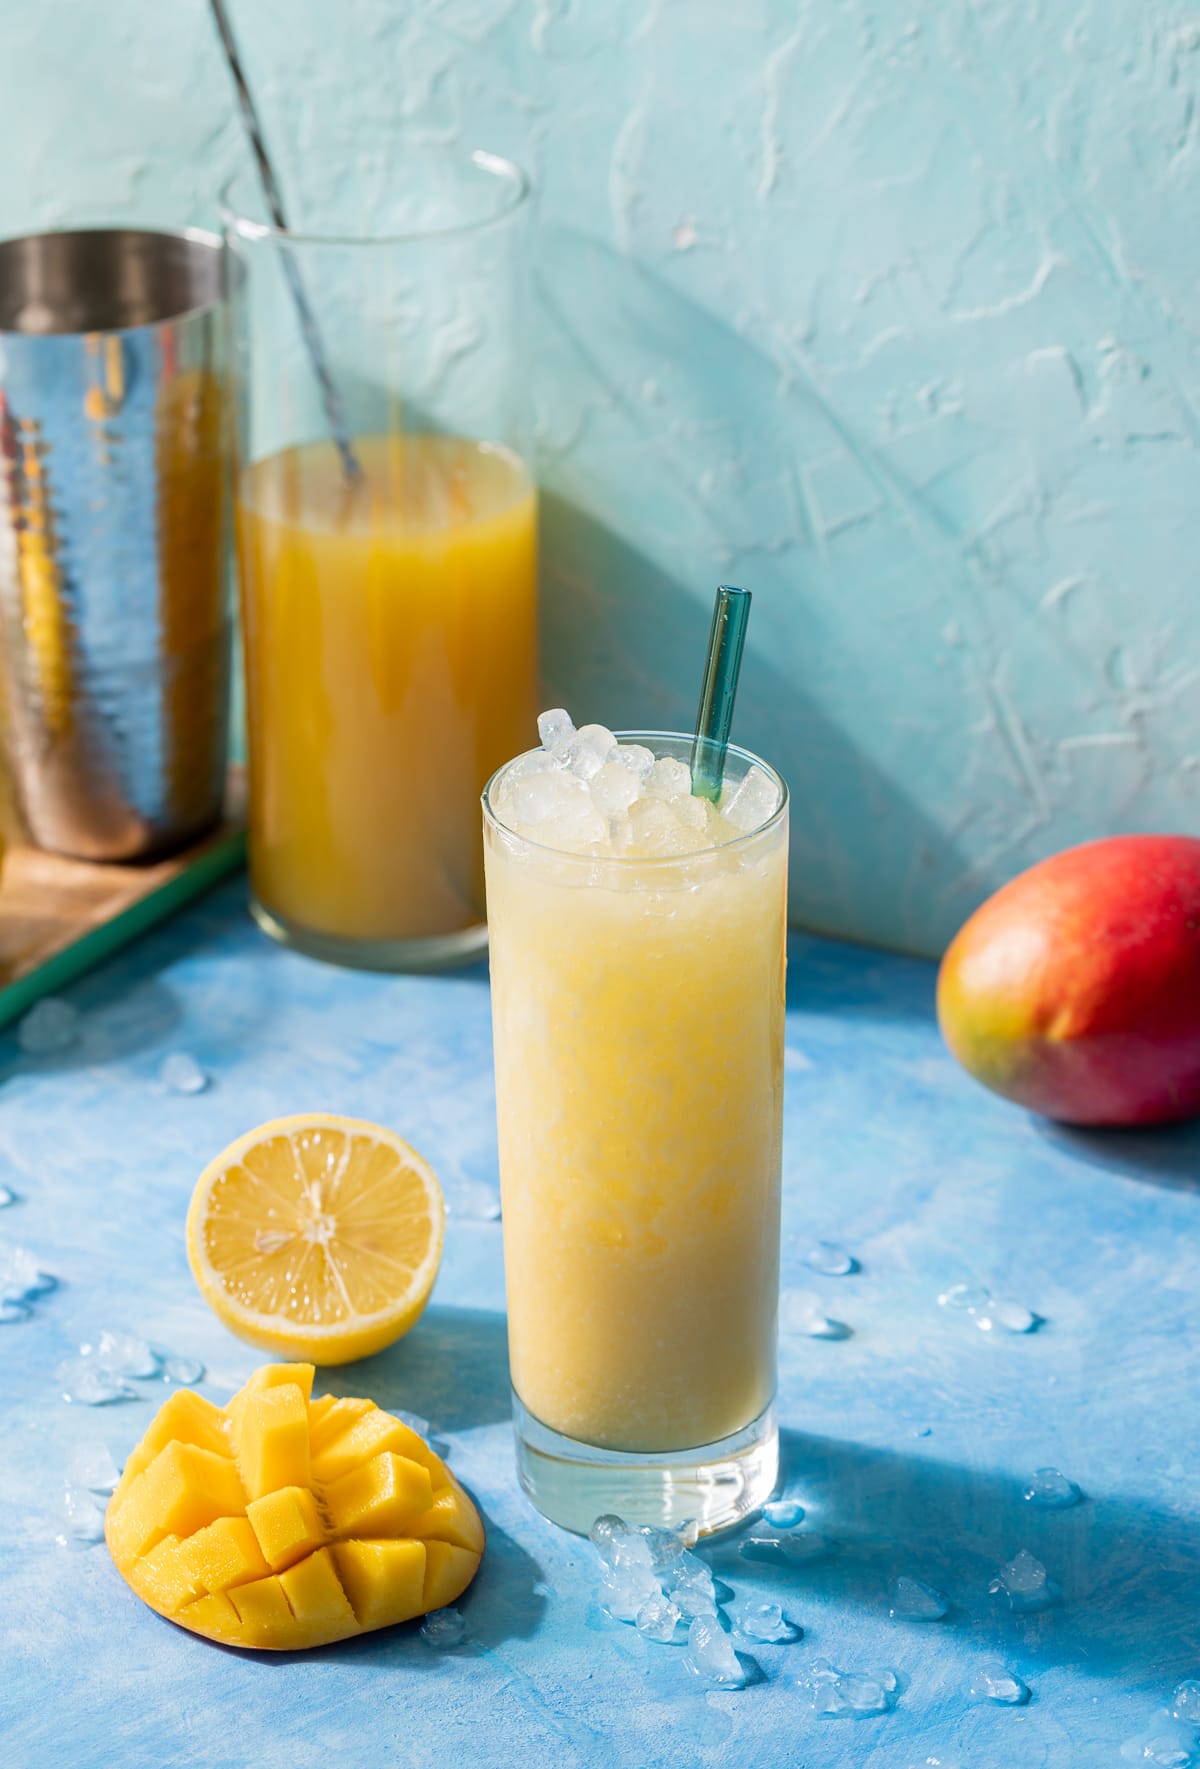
(437,952)
(714,1486)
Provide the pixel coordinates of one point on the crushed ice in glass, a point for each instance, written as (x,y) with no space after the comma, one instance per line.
(443,1629)
(801,1312)
(1023,1581)
(751,802)
(1185,1703)
(91,1468)
(555,727)
(474,1201)
(829,1259)
(7,1197)
(850,1694)
(782,1513)
(82,1516)
(912,1600)
(658,1617)
(1050,1488)
(181,1073)
(988,1311)
(995,1682)
(50,1025)
(585,792)
(765,1621)
(710,1653)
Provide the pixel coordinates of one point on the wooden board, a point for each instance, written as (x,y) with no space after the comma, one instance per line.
(58,916)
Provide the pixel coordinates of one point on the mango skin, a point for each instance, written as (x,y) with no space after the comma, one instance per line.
(1075,990)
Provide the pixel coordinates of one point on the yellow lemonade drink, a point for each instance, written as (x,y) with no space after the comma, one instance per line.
(637,959)
(390,632)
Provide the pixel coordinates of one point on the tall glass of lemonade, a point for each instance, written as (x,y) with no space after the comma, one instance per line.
(637,954)
(386,537)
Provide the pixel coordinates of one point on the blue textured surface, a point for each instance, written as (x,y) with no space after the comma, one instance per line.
(908,1443)
(885,308)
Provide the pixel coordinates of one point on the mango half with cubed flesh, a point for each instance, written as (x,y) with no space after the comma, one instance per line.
(280,1521)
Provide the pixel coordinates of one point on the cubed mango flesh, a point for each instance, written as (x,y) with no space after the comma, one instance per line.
(281,1522)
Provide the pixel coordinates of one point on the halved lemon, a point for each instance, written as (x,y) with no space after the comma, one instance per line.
(317,1237)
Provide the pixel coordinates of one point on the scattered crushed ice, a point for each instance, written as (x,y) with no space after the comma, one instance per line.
(22,1281)
(619,1543)
(443,1629)
(830,1260)
(182,1370)
(1050,1488)
(474,1201)
(1169,1746)
(1014,1317)
(658,1617)
(801,1312)
(710,1654)
(83,1518)
(993,1681)
(7,1197)
(88,1383)
(782,1513)
(102,1373)
(912,1600)
(967,1297)
(50,1025)
(1023,1581)
(625,1588)
(847,1693)
(585,792)
(650,1577)
(765,1621)
(789,1550)
(1185,1703)
(92,1469)
(125,1354)
(181,1073)
(988,1311)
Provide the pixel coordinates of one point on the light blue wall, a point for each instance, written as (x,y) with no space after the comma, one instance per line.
(889,311)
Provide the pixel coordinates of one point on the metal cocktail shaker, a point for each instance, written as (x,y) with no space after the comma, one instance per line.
(114,612)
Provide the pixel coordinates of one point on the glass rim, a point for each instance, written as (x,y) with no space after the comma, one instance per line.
(235,220)
(633,860)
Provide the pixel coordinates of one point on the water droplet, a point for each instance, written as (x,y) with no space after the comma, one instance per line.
(830,1260)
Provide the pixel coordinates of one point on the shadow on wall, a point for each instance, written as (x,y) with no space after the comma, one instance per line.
(624,644)
(656,489)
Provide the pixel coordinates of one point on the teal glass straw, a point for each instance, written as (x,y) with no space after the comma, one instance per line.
(726,641)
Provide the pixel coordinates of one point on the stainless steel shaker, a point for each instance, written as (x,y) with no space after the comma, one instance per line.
(114,611)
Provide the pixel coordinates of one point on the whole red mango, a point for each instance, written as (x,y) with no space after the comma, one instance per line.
(1075,990)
